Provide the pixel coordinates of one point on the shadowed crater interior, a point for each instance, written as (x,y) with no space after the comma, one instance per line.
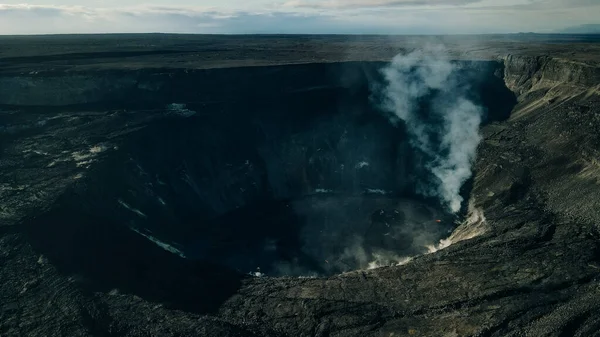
(290,170)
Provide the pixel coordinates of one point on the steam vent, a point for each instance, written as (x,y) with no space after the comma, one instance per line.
(181,185)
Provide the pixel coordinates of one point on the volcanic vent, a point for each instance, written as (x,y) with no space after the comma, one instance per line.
(300,170)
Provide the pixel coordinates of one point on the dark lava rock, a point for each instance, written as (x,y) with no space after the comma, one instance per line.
(109,194)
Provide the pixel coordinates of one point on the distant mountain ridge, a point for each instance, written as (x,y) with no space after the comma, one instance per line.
(582,29)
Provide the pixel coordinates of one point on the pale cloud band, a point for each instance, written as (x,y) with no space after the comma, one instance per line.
(304,16)
(340,4)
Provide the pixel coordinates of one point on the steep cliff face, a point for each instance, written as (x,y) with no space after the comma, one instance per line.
(107,189)
(523,73)
(556,124)
(150,87)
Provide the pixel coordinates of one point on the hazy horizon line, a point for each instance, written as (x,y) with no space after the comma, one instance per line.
(297,34)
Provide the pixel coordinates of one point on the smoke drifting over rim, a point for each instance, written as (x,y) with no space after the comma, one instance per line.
(422,90)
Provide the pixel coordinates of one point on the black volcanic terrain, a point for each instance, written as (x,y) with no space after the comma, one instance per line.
(181,185)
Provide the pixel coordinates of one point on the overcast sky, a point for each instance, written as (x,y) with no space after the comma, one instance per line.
(295,16)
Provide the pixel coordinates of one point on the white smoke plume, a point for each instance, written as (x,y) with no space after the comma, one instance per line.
(447,134)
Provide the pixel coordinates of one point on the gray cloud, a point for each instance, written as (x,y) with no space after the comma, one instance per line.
(348,4)
(466,16)
(540,5)
(48,19)
(9,9)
